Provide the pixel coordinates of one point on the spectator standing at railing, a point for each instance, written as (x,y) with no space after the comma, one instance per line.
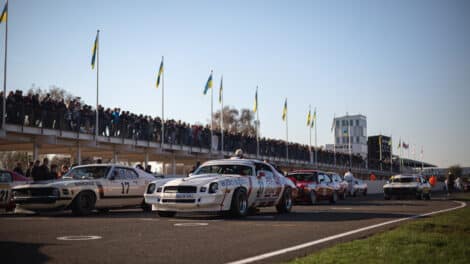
(35,170)
(36,114)
(10,108)
(43,172)
(29,170)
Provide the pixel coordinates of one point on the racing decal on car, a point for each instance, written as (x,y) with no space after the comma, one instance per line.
(100,190)
(84,183)
(233,182)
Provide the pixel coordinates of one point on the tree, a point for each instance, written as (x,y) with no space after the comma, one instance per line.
(234,122)
(456,170)
(54,91)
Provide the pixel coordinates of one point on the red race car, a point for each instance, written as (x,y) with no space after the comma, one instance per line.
(313,186)
(8,179)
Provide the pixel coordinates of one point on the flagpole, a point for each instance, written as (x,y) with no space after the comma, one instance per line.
(287,134)
(380,151)
(349,144)
(222,115)
(97,82)
(257,124)
(334,138)
(422,159)
(163,104)
(5,72)
(310,133)
(391,155)
(316,146)
(212,114)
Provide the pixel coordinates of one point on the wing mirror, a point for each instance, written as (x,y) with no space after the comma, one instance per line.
(113,175)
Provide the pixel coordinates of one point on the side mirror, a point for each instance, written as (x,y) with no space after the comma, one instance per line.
(189,175)
(113,175)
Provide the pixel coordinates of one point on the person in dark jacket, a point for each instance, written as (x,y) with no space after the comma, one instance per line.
(35,169)
(18,169)
(29,170)
(53,174)
(43,173)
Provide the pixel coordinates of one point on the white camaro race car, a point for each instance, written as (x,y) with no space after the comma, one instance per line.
(229,185)
(85,188)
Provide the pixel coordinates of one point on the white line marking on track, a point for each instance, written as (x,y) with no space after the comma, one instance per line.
(326,239)
(78,238)
(191,224)
(341,208)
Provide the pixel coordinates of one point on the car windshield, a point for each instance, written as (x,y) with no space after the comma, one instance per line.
(88,172)
(403,180)
(302,176)
(225,169)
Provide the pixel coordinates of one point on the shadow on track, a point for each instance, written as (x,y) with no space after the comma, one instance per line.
(17,252)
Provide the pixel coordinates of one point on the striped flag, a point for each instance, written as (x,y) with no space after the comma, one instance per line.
(284,111)
(309,117)
(221,89)
(255,107)
(160,72)
(208,84)
(3,17)
(95,48)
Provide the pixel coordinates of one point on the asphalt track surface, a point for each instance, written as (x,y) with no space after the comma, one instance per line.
(132,236)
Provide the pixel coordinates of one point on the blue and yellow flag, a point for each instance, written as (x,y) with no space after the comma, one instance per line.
(3,17)
(309,117)
(221,89)
(160,72)
(284,111)
(95,49)
(208,84)
(314,119)
(255,106)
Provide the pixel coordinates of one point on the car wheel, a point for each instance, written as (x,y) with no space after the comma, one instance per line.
(365,192)
(146,207)
(419,195)
(239,206)
(428,196)
(386,197)
(103,210)
(313,197)
(166,213)
(334,198)
(83,204)
(285,203)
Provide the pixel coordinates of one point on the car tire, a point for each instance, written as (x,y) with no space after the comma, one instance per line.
(334,198)
(239,205)
(166,213)
(83,204)
(386,197)
(103,210)
(285,203)
(146,207)
(419,195)
(313,197)
(428,196)
(365,192)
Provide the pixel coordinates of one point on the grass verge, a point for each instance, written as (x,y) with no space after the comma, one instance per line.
(443,238)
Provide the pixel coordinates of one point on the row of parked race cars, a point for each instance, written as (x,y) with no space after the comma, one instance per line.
(233,186)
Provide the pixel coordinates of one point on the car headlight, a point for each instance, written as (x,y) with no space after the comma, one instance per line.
(151,188)
(214,187)
(203,189)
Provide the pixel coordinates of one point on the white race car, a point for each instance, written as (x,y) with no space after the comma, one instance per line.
(407,185)
(85,188)
(230,185)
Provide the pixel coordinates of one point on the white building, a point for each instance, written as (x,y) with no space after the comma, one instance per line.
(354,128)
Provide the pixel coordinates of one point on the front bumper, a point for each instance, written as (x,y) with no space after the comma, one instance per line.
(41,202)
(196,202)
(400,191)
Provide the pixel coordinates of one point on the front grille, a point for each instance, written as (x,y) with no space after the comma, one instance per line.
(34,192)
(400,191)
(180,189)
(178,200)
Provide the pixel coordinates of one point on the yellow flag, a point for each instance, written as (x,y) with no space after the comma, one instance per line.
(284,111)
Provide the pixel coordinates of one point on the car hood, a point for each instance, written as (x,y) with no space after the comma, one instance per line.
(200,180)
(54,183)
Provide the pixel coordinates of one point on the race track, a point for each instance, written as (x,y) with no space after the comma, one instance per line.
(135,237)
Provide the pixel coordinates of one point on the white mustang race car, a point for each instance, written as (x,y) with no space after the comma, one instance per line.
(230,185)
(85,188)
(407,185)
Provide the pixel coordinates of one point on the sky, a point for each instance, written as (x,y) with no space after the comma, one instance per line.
(405,64)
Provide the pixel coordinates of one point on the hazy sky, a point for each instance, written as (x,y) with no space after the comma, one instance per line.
(403,64)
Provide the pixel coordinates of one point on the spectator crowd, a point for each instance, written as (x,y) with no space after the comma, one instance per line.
(72,115)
